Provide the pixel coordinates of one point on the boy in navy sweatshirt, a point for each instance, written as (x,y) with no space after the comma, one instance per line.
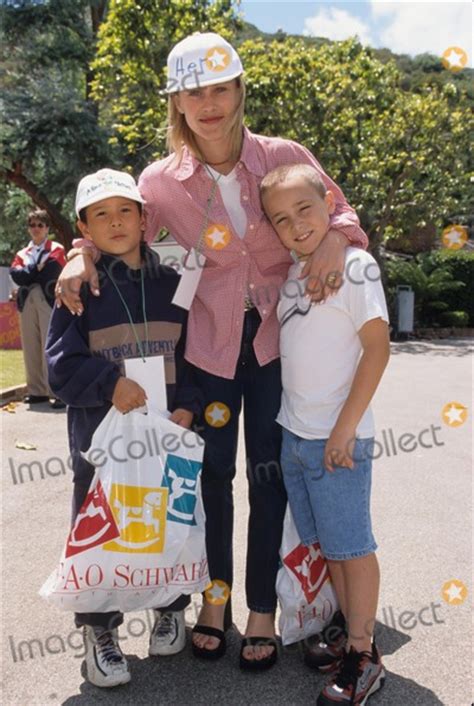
(132,318)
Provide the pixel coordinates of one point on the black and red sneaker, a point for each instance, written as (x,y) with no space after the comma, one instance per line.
(359,676)
(324,651)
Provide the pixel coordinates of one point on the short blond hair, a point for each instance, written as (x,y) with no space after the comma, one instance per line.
(180,134)
(285,172)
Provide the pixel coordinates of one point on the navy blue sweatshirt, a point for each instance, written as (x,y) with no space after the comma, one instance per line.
(85,353)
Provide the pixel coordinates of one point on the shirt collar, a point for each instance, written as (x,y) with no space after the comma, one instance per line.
(150,264)
(248,156)
(36,248)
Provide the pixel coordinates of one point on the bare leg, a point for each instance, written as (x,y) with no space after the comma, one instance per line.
(338,582)
(361,582)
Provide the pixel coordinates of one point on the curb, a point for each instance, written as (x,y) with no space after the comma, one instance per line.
(9,394)
(447,332)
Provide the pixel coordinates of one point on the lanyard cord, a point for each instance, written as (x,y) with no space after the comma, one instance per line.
(142,281)
(208,209)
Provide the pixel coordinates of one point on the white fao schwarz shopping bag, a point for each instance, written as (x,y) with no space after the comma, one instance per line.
(306,596)
(138,540)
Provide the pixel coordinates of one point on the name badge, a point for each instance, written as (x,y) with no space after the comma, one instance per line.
(150,374)
(190,278)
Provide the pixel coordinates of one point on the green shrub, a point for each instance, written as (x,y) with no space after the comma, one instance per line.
(454,318)
(461,265)
(433,282)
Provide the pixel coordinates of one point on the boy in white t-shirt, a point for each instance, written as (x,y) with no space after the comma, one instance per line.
(333,355)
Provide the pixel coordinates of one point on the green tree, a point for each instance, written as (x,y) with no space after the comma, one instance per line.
(50,134)
(401,158)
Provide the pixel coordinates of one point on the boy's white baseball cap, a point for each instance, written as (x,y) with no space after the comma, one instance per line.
(103,185)
(202,59)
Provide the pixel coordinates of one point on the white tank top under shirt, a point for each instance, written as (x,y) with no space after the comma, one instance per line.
(229,187)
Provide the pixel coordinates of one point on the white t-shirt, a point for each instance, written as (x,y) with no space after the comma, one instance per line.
(320,348)
(229,186)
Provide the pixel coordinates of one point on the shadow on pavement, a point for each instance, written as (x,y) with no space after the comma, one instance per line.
(44,409)
(186,681)
(458,347)
(388,639)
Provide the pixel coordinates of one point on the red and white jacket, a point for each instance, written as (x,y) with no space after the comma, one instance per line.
(32,266)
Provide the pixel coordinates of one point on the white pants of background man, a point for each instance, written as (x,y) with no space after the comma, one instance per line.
(34,321)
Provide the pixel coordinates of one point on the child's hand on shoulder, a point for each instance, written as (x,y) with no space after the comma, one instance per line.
(128,395)
(183,417)
(339,448)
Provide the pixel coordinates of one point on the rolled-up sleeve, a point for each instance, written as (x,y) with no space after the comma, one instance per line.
(344,218)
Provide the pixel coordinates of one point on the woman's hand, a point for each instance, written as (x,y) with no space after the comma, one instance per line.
(128,395)
(325,268)
(76,271)
(183,417)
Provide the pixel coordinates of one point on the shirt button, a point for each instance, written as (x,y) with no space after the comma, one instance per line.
(251,226)
(240,165)
(244,252)
(264,311)
(246,198)
(252,286)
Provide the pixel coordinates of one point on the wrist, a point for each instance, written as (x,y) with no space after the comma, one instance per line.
(74,252)
(338,237)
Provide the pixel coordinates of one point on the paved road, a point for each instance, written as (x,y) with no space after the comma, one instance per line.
(422,517)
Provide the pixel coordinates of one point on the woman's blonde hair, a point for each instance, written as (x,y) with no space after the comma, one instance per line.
(180,134)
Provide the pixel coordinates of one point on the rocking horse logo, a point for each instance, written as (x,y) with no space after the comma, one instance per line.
(132,520)
(181,475)
(94,525)
(140,514)
(309,567)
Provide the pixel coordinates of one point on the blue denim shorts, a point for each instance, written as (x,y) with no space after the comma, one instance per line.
(332,508)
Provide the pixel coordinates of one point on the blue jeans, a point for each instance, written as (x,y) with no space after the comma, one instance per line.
(258,388)
(329,507)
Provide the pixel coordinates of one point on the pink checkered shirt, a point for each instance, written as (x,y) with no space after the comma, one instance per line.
(176,198)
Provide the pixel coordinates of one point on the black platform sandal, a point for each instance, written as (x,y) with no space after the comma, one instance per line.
(203,652)
(220,650)
(258,665)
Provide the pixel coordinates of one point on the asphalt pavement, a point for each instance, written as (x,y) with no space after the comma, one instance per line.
(422,515)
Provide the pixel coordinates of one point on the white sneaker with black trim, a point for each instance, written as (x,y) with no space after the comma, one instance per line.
(106,665)
(168,636)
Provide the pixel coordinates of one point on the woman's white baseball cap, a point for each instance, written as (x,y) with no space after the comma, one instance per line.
(201,60)
(103,185)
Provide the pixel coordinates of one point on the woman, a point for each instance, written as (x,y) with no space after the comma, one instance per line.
(35,269)
(206,194)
